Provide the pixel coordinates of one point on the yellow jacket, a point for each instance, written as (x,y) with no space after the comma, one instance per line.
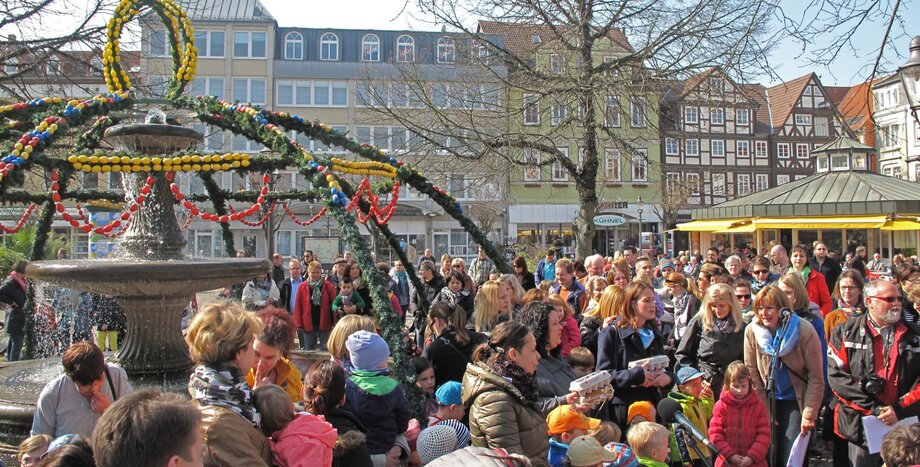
(287,376)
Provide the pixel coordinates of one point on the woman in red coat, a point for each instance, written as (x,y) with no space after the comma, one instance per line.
(739,427)
(313,307)
(815,283)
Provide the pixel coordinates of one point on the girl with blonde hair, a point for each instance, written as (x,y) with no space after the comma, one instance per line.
(714,337)
(491,307)
(600,317)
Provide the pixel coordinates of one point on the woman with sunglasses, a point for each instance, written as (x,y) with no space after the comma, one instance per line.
(761,275)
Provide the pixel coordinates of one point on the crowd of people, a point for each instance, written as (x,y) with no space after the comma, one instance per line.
(735,360)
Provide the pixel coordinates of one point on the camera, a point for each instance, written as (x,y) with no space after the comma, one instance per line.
(872,384)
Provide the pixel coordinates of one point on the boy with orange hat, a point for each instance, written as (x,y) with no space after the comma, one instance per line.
(565,423)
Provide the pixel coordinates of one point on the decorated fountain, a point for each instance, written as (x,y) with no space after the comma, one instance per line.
(149,276)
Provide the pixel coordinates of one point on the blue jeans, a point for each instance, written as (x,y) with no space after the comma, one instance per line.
(311,339)
(14,348)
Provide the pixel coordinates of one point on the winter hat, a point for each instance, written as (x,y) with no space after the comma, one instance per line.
(643,408)
(436,441)
(625,457)
(368,350)
(566,418)
(687,373)
(449,393)
(585,450)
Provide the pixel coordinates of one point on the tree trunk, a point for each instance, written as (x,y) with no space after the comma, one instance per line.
(584,224)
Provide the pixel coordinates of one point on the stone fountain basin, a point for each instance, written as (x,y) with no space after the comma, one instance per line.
(139,278)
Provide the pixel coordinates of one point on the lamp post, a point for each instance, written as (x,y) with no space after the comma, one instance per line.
(910,77)
(639,208)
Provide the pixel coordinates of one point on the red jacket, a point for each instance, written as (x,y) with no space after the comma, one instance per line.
(818,293)
(303,318)
(740,426)
(571,336)
(306,441)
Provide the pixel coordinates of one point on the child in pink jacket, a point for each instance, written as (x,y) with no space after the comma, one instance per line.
(740,428)
(297,439)
(571,336)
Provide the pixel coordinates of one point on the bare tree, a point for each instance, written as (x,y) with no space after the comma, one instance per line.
(571,64)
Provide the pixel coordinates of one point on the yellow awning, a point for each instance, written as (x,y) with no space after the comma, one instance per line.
(707,225)
(745,228)
(838,222)
(901,225)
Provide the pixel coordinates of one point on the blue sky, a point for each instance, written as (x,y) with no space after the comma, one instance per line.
(852,66)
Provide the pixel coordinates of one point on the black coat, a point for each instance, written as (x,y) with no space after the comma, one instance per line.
(528,282)
(590,329)
(351,447)
(709,351)
(830,268)
(285,292)
(12,294)
(449,358)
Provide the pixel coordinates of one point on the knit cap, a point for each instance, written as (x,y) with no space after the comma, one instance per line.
(436,441)
(449,393)
(643,408)
(368,350)
(625,457)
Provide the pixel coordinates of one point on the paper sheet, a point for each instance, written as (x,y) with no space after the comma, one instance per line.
(876,429)
(799,450)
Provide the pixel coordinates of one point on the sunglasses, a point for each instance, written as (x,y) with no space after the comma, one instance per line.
(761,271)
(743,296)
(457,266)
(889,300)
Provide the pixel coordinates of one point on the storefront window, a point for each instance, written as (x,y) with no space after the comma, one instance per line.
(808,237)
(857,237)
(833,239)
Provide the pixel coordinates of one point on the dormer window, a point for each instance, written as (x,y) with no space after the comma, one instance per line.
(535,39)
(53,67)
(293,46)
(329,47)
(405,49)
(446,50)
(370,48)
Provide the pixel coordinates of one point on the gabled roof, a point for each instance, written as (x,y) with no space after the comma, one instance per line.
(757,92)
(824,194)
(843,143)
(673,90)
(226,10)
(836,93)
(783,98)
(857,105)
(519,38)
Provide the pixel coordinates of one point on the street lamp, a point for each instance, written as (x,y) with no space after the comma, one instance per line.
(910,77)
(639,209)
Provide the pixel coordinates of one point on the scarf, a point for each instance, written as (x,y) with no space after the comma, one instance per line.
(224,387)
(647,336)
(525,382)
(779,346)
(316,291)
(20,279)
(402,285)
(725,325)
(756,285)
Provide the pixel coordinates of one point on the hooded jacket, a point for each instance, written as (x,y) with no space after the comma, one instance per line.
(306,441)
(449,358)
(740,426)
(500,416)
(698,410)
(350,449)
(378,401)
(230,440)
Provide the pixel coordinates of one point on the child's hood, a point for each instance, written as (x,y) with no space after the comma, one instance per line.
(310,426)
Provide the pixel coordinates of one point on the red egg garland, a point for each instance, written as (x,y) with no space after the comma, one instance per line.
(301,223)
(235,216)
(264,219)
(88,227)
(365,190)
(22,221)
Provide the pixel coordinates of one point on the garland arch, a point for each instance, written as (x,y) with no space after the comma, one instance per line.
(29,129)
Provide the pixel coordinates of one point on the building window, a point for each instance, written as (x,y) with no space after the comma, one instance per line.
(531,109)
(783,151)
(405,49)
(802,119)
(670,147)
(692,147)
(891,136)
(208,86)
(612,164)
(718,184)
(744,184)
(640,165)
(555,64)
(821,164)
(718,148)
(612,117)
(693,182)
(559,172)
(249,90)
(557,114)
(90,181)
(210,43)
(370,48)
(53,67)
(531,165)
(691,115)
(742,116)
(821,128)
(293,46)
(801,151)
(637,112)
(718,116)
(446,50)
(158,45)
(329,47)
(761,182)
(743,148)
(249,44)
(760,149)
(782,179)
(11,67)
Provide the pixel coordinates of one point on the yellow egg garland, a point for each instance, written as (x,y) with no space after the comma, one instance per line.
(179,162)
(181,38)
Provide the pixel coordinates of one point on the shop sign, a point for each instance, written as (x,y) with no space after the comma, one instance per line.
(609,220)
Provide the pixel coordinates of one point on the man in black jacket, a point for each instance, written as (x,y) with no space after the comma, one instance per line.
(288,291)
(874,369)
(825,265)
(13,295)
